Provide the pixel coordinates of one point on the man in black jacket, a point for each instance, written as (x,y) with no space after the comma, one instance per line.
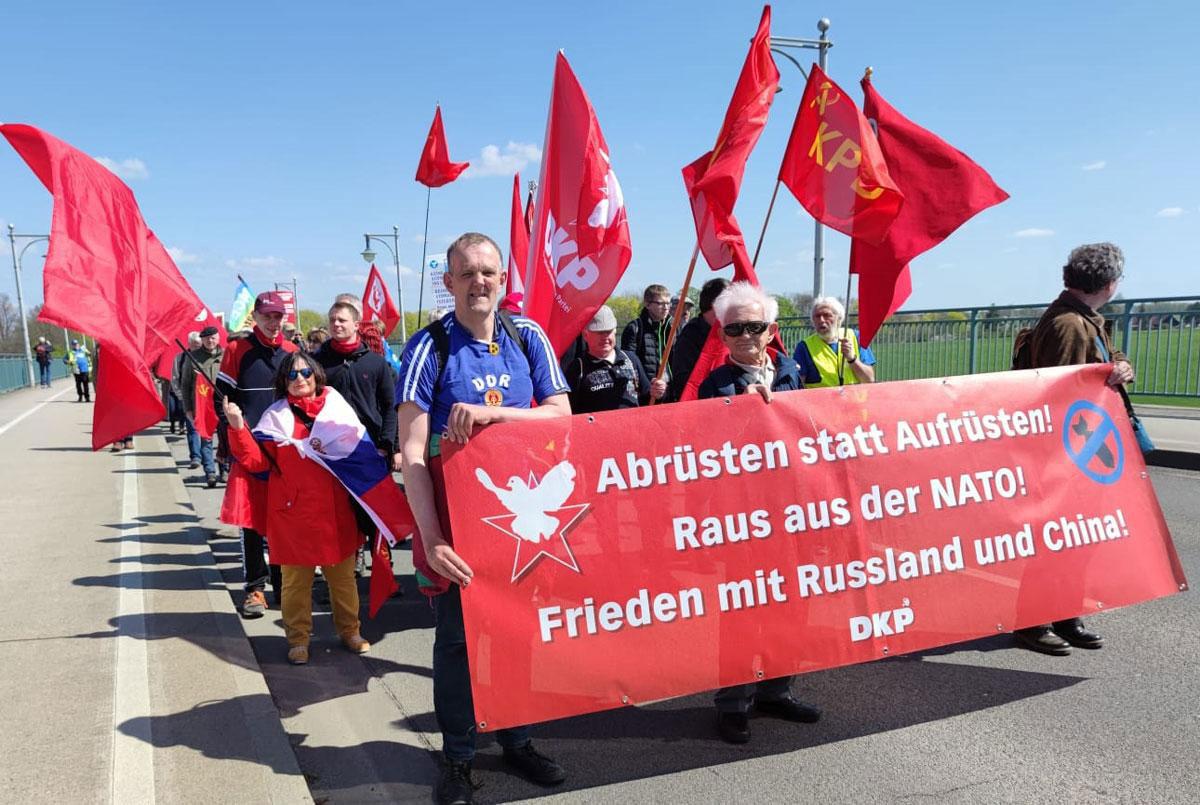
(646,336)
(690,341)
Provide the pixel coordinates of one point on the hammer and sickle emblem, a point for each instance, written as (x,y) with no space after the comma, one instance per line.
(823,100)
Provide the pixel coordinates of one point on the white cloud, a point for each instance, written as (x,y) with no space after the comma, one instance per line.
(1033,232)
(1098,165)
(270,261)
(494,162)
(1169,212)
(182,257)
(131,168)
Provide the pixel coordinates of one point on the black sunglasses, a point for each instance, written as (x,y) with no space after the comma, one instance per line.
(739,327)
(306,373)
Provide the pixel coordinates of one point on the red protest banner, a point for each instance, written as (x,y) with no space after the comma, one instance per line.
(635,555)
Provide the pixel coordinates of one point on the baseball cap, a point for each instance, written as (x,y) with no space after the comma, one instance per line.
(268,302)
(603,321)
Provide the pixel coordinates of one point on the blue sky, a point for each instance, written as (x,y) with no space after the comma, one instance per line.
(264,138)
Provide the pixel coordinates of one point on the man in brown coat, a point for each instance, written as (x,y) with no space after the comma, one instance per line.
(1070,332)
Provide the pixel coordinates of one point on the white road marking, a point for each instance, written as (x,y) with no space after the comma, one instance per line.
(133,753)
(32,411)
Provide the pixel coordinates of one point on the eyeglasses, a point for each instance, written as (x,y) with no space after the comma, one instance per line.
(738,327)
(306,373)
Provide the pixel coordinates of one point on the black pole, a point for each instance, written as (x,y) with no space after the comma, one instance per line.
(842,355)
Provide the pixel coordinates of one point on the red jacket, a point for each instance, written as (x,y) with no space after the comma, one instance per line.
(309,518)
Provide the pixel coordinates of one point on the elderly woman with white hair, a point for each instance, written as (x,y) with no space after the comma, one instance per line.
(832,355)
(746,317)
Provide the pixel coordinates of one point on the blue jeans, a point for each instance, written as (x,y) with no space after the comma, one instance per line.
(44,374)
(452,701)
(200,449)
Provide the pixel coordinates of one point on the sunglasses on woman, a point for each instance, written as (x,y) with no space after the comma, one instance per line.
(738,327)
(306,373)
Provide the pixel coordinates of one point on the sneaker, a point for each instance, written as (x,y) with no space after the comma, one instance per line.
(355,644)
(193,464)
(534,766)
(298,655)
(455,787)
(255,604)
(211,480)
(117,446)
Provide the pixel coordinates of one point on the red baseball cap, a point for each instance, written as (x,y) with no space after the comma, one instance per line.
(269,302)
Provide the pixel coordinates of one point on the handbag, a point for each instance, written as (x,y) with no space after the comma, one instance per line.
(1144,442)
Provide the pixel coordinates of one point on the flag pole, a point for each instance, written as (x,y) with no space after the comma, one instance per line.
(763,234)
(196,365)
(424,247)
(842,355)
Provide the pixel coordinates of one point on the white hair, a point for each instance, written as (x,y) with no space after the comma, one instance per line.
(741,294)
(194,339)
(831,302)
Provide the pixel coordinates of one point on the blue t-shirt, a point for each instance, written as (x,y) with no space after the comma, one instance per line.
(474,375)
(809,371)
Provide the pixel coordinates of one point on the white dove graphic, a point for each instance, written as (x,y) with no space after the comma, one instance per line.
(531,504)
(610,205)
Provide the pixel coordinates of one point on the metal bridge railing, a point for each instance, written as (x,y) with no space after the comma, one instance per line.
(1160,335)
(14,374)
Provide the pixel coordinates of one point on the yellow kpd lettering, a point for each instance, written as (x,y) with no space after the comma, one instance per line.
(823,136)
(848,154)
(869,195)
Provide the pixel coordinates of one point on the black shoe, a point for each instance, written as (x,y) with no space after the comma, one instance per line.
(534,766)
(211,480)
(1042,639)
(789,710)
(1074,632)
(456,786)
(733,728)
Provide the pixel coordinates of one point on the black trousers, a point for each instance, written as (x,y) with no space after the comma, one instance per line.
(81,386)
(254,564)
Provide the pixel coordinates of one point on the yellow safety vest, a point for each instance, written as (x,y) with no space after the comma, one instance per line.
(826,360)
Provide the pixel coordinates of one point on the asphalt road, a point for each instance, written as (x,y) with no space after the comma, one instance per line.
(976,722)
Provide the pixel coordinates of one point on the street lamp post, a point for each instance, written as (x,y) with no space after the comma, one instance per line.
(822,46)
(368,255)
(12,243)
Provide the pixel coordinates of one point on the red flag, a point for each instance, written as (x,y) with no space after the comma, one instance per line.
(529,212)
(95,276)
(172,309)
(435,168)
(833,165)
(377,302)
(580,246)
(518,244)
(206,412)
(942,189)
(713,180)
(383,580)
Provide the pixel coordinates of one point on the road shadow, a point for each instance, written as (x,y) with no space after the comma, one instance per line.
(224,730)
(218,633)
(175,580)
(61,449)
(628,744)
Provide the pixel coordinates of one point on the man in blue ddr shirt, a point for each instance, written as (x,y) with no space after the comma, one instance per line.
(493,369)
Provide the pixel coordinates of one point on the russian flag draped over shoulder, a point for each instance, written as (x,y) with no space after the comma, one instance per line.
(339,443)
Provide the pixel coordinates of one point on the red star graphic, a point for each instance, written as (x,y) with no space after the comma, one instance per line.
(554,547)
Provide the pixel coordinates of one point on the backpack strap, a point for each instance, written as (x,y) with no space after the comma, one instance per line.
(441,345)
(510,327)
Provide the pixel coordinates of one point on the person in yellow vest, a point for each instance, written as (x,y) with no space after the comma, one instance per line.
(820,355)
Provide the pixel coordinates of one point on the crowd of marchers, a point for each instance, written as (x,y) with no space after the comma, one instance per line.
(298,521)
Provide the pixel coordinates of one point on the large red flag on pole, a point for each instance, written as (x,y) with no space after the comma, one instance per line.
(378,304)
(833,164)
(172,311)
(713,180)
(580,245)
(206,411)
(518,247)
(435,168)
(942,187)
(95,276)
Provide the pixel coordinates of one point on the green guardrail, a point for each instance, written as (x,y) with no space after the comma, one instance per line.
(14,373)
(1160,335)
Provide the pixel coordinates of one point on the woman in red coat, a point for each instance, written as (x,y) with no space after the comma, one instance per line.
(309,516)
